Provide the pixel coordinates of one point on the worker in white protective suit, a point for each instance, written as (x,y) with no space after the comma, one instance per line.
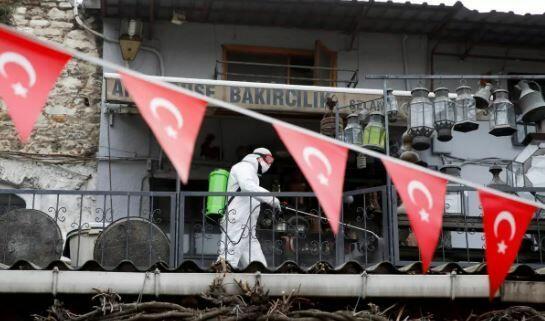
(239,245)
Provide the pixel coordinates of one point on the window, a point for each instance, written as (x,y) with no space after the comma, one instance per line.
(279,65)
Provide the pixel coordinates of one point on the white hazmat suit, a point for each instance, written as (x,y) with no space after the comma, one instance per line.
(239,245)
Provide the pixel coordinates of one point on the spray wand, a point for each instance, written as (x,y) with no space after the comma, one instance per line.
(285,207)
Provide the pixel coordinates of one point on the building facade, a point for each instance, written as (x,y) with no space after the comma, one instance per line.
(91,138)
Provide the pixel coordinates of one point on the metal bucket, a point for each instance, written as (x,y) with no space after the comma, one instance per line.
(81,242)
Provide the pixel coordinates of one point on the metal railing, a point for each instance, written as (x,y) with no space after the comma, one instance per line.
(41,226)
(462,237)
(150,227)
(272,73)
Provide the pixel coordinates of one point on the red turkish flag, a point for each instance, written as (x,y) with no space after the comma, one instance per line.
(28,72)
(505,222)
(174,118)
(424,198)
(323,165)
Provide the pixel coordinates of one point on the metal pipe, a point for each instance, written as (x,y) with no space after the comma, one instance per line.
(404,57)
(389,190)
(420,76)
(279,65)
(325,219)
(278,77)
(492,57)
(447,286)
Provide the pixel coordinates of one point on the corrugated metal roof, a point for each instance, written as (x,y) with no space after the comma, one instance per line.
(517,271)
(454,23)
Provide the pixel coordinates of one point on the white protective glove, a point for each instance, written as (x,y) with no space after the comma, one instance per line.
(276,204)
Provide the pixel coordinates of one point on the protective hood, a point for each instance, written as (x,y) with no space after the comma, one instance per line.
(260,165)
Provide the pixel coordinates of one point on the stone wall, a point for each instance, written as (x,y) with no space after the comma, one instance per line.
(65,139)
(61,153)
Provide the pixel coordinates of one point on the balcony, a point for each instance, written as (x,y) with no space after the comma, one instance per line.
(294,74)
(42,226)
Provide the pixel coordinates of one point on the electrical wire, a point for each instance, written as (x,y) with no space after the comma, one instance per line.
(154,51)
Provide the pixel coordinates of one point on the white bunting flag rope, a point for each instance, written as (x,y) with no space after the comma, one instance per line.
(17,35)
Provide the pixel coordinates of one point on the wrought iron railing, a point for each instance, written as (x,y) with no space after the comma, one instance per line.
(146,227)
(275,73)
(462,238)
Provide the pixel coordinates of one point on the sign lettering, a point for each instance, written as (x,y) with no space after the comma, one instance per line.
(271,99)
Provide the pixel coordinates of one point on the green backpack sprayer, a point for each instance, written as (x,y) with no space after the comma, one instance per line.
(216,205)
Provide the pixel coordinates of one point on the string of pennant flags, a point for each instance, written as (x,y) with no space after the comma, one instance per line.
(29,68)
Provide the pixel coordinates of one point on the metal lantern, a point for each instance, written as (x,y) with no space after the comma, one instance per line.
(328,123)
(353,131)
(420,118)
(130,38)
(531,101)
(502,115)
(361,161)
(444,114)
(408,154)
(482,96)
(391,105)
(466,114)
(374,135)
(496,181)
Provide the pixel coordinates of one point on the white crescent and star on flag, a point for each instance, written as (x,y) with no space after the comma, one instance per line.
(312,152)
(417,185)
(14,58)
(510,219)
(171,130)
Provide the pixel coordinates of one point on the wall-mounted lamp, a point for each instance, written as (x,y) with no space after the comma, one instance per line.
(130,38)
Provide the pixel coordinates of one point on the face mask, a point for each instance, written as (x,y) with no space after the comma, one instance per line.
(263,166)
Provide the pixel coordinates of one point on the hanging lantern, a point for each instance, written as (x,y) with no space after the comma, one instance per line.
(327,124)
(361,161)
(466,115)
(374,134)
(502,115)
(482,96)
(444,114)
(531,101)
(420,118)
(408,154)
(362,115)
(496,181)
(353,130)
(391,105)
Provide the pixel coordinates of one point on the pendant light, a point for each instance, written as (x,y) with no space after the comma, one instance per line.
(420,118)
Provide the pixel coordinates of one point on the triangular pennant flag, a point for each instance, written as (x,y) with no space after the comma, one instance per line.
(174,118)
(505,222)
(28,72)
(323,165)
(424,198)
